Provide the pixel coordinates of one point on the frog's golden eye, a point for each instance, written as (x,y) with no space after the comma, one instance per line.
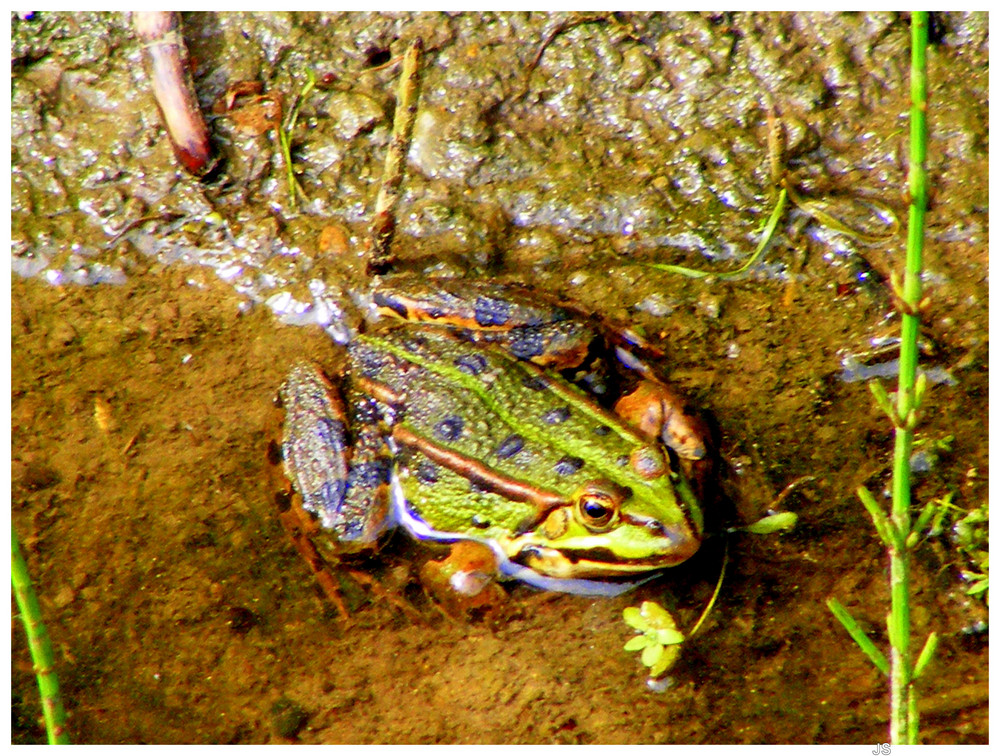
(598,504)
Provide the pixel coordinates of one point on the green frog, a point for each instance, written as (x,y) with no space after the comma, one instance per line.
(458,423)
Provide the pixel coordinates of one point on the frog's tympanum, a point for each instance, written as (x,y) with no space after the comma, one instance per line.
(456,425)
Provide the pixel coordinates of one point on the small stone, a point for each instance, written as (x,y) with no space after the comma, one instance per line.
(104,416)
(38,476)
(709,306)
(288,718)
(636,67)
(333,240)
(242,620)
(353,113)
(62,334)
(65,596)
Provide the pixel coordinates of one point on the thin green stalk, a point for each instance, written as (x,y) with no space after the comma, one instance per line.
(896,530)
(38,642)
(904,725)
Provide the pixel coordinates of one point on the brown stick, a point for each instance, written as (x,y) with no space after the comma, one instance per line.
(384,221)
(173,88)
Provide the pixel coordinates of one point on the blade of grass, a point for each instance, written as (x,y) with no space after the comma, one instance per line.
(772,222)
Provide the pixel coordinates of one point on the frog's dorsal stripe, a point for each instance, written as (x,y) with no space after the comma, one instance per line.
(482,475)
(595,456)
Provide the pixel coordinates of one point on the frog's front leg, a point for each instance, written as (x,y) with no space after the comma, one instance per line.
(463,584)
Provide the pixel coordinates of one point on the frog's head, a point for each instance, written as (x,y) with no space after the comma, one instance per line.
(609,530)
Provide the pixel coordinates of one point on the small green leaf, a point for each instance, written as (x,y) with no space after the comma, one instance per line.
(633,618)
(669,658)
(668,637)
(926,654)
(980,586)
(656,616)
(637,643)
(886,530)
(883,401)
(855,631)
(920,390)
(922,521)
(773,523)
(652,654)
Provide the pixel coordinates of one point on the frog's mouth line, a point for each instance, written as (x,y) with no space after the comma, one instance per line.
(598,563)
(579,586)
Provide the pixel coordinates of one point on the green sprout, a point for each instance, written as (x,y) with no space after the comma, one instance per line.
(773,523)
(659,638)
(896,529)
(285,138)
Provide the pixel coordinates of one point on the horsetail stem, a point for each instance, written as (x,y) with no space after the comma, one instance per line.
(39,644)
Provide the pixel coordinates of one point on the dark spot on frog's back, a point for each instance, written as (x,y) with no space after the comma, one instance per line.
(492,312)
(535,382)
(427,472)
(530,343)
(568,465)
(471,364)
(510,446)
(450,428)
(556,416)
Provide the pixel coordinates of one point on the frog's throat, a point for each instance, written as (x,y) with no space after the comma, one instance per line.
(400,516)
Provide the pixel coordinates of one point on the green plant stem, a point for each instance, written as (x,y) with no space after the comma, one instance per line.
(903,725)
(38,642)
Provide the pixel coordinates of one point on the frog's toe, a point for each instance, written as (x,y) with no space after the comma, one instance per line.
(659,413)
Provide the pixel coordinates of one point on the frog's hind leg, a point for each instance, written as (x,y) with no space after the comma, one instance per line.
(300,526)
(328,486)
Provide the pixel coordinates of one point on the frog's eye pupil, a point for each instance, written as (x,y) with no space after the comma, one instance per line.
(596,511)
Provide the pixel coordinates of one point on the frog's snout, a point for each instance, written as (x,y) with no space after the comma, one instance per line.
(677,542)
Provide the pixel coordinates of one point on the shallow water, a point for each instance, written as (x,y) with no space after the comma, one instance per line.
(179,612)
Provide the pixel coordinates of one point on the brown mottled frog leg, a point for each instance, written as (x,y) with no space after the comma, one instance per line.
(347,493)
